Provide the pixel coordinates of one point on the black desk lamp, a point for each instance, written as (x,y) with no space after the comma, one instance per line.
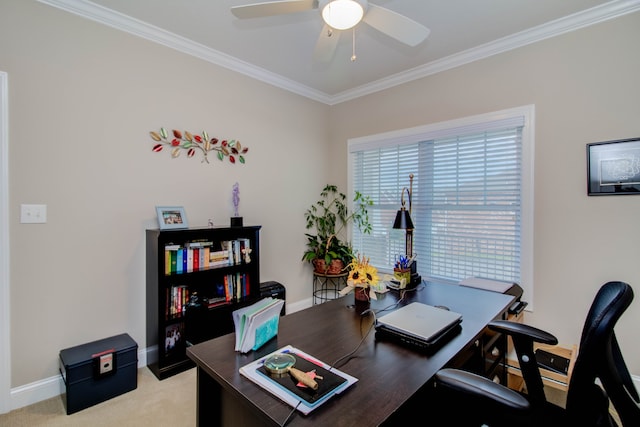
(403,221)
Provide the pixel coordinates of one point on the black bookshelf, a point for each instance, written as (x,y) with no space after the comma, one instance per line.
(192,288)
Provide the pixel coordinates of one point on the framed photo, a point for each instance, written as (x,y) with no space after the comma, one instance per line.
(171,217)
(613,167)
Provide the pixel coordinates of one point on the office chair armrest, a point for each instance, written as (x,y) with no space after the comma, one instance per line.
(480,388)
(519,330)
(523,337)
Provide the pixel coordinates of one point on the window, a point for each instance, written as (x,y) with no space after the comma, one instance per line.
(471,196)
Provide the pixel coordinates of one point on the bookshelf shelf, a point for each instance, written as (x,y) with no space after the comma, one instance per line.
(195,278)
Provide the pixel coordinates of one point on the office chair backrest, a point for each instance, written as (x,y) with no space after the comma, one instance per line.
(599,357)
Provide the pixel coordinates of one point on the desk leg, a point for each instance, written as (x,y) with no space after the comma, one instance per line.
(209,400)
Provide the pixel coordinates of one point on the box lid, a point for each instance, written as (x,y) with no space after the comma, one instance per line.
(85,352)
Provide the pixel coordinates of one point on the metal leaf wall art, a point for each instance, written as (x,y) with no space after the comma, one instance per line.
(192,143)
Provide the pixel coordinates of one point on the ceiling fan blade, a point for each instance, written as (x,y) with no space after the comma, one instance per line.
(271,8)
(326,44)
(394,25)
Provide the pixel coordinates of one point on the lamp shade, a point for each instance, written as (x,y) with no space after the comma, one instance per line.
(342,14)
(403,220)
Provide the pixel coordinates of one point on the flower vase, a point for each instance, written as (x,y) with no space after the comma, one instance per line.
(361,294)
(361,299)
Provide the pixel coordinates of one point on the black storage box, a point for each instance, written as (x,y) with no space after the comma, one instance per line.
(99,370)
(274,290)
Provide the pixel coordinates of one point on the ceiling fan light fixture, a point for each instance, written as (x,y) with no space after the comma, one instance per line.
(343,14)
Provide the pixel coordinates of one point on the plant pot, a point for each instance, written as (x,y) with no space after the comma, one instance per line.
(402,273)
(335,267)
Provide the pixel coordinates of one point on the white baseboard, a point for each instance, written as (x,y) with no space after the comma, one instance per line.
(48,388)
(300,305)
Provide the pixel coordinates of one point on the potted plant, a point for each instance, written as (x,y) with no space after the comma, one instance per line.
(329,216)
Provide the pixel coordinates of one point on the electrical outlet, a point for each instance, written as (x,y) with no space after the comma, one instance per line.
(33,214)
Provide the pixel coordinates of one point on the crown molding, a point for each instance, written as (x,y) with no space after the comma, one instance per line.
(94,12)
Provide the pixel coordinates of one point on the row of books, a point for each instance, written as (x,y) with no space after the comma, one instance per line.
(202,255)
(235,287)
(177,300)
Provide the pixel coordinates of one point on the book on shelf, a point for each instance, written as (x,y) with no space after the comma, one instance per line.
(189,260)
(205,258)
(256,324)
(196,259)
(170,258)
(185,260)
(177,300)
(179,260)
(226,288)
(216,301)
(200,244)
(291,392)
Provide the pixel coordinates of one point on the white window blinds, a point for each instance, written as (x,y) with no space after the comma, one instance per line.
(466,199)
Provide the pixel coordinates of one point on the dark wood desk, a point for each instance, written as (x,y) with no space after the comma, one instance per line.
(389,374)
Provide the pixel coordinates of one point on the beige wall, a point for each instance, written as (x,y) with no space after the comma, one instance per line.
(585,88)
(83,98)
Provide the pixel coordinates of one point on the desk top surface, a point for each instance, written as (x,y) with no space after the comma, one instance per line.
(388,374)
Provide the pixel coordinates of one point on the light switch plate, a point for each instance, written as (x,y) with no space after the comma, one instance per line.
(33,214)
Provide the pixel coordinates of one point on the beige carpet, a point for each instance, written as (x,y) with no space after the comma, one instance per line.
(171,402)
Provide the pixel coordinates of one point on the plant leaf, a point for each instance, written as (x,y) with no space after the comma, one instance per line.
(155,136)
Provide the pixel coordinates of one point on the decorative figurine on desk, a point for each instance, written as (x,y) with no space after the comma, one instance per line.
(236,219)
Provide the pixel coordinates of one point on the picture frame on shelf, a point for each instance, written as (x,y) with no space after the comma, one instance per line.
(171,217)
(613,167)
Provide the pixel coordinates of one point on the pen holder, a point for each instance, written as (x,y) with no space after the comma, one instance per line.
(402,274)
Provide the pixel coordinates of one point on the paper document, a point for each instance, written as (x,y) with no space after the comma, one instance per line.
(286,388)
(256,324)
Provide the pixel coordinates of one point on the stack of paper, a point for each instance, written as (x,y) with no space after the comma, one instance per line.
(256,324)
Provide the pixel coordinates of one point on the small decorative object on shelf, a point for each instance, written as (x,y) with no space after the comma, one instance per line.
(232,150)
(236,219)
(171,217)
(363,279)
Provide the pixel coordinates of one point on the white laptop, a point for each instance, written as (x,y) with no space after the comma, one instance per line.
(422,322)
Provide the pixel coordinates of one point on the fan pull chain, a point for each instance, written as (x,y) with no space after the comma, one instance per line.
(353,46)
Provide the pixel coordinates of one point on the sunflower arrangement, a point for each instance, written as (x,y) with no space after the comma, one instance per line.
(361,275)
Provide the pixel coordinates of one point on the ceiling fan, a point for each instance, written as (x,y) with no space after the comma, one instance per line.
(341,15)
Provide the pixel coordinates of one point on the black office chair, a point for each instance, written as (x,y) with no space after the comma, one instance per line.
(477,400)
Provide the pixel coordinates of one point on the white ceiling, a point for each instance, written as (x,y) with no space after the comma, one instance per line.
(279,49)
